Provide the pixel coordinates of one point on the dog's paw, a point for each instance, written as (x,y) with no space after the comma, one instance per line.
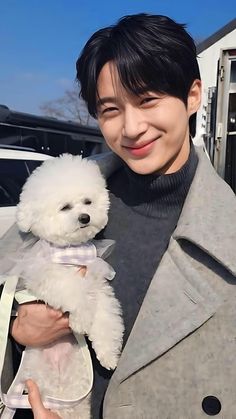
(108,361)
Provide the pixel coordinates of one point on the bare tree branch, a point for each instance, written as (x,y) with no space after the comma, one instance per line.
(68,107)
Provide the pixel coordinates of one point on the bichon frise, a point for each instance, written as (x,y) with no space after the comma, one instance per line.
(65,204)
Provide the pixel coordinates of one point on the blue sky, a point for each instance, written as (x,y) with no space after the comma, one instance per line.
(41,39)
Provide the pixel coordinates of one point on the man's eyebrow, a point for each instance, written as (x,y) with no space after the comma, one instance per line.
(103,100)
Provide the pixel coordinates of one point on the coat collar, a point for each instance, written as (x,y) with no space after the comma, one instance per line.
(174,306)
(209,213)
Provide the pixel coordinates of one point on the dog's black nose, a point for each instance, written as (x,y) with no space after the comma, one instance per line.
(84,218)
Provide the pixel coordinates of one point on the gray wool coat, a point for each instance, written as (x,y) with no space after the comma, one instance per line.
(180,359)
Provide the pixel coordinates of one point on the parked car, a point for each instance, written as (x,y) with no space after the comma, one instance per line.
(48,135)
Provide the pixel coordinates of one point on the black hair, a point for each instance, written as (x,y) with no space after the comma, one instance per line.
(150,52)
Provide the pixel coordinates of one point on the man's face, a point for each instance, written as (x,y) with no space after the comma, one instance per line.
(149,132)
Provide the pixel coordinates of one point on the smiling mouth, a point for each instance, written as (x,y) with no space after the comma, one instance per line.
(141,145)
(140,150)
(137,147)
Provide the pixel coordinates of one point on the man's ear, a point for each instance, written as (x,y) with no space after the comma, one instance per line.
(24,217)
(194,97)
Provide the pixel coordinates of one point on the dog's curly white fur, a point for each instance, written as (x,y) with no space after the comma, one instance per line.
(65,202)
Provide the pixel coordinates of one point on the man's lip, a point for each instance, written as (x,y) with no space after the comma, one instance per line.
(138,146)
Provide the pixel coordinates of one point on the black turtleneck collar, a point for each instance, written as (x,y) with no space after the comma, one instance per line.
(156,195)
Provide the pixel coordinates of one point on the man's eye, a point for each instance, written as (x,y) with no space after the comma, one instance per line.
(87,201)
(148,100)
(66,207)
(109,110)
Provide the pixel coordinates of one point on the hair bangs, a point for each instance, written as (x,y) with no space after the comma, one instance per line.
(139,74)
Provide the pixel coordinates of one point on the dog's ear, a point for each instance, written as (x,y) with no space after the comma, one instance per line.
(24,217)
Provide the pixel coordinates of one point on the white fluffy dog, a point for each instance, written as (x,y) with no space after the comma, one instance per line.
(65,204)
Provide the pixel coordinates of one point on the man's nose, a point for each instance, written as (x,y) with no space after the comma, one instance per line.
(134,123)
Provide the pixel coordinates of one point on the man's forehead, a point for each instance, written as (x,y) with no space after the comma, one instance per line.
(109,80)
(110,87)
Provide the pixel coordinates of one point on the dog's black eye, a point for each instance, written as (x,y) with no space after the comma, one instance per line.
(87,201)
(66,207)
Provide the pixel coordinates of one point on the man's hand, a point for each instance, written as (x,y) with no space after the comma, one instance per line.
(38,324)
(39,411)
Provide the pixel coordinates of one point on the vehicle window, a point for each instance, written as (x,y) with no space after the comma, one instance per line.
(10,136)
(33,139)
(69,143)
(23,137)
(91,148)
(13,174)
(48,142)
(57,143)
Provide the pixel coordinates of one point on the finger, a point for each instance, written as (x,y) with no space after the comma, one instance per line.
(56,314)
(35,399)
(61,322)
(64,321)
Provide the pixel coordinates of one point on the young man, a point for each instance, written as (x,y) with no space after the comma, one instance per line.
(173,220)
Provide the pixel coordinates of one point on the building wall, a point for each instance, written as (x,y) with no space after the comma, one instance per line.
(207,61)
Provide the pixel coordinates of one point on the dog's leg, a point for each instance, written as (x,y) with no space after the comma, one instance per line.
(107,329)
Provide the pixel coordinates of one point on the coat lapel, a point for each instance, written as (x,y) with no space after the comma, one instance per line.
(172,309)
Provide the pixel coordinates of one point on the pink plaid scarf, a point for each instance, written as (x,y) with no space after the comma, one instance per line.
(82,254)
